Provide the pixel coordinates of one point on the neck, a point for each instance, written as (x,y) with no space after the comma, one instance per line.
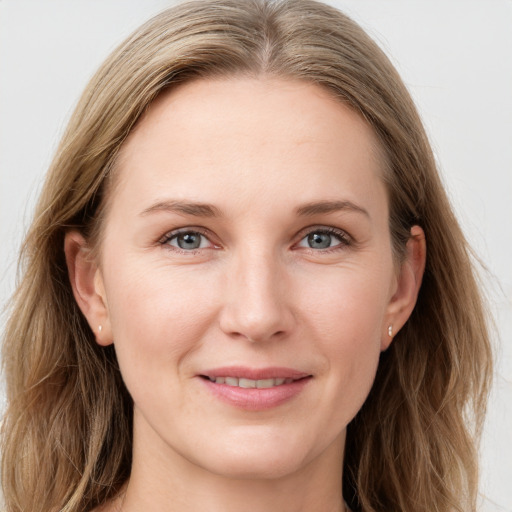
(163,480)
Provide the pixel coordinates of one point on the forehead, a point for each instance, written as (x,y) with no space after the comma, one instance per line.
(236,136)
(244,105)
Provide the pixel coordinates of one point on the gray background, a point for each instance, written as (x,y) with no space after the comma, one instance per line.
(455,57)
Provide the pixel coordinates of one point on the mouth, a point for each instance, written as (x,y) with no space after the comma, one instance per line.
(242,382)
(255,389)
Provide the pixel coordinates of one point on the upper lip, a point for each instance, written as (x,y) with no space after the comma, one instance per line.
(255,373)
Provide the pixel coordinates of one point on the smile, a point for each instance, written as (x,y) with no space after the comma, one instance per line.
(254,389)
(242,382)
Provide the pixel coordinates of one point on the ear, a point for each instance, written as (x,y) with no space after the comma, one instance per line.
(407,288)
(87,284)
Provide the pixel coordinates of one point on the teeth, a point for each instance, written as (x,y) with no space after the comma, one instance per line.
(230,381)
(250,383)
(246,383)
(267,383)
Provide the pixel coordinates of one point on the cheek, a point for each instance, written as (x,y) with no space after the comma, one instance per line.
(346,314)
(347,304)
(157,318)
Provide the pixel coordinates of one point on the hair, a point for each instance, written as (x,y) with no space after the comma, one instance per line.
(67,433)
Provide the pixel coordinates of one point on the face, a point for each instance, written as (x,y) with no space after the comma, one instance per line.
(246,274)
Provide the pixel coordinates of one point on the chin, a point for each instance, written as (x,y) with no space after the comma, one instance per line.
(263,458)
(254,468)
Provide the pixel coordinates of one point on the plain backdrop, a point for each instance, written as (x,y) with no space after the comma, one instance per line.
(455,57)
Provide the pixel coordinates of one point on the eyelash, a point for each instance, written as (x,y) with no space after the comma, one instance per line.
(164,241)
(342,236)
(344,239)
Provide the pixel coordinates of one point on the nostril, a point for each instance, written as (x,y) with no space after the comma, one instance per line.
(256,322)
(256,339)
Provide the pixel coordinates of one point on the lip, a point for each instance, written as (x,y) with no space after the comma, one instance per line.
(255,399)
(255,373)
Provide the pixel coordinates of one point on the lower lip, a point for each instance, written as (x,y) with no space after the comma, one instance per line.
(256,399)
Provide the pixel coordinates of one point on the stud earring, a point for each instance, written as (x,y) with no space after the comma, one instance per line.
(390,331)
(100,327)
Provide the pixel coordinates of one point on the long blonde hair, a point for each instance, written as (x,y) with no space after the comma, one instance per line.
(67,433)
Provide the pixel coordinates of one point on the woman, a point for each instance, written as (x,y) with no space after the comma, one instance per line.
(227,301)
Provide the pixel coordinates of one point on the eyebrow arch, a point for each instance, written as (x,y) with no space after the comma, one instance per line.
(323,207)
(184,208)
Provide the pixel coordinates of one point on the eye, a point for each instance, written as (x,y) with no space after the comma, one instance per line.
(187,240)
(324,238)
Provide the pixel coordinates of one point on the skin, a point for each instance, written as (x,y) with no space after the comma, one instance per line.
(255,293)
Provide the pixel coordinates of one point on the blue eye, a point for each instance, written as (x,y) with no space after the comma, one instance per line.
(319,240)
(324,239)
(188,240)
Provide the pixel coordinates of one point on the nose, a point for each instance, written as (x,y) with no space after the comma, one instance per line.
(256,304)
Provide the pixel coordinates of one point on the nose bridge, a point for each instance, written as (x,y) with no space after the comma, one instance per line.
(256,306)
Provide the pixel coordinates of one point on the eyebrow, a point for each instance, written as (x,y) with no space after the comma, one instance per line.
(324,207)
(209,210)
(183,207)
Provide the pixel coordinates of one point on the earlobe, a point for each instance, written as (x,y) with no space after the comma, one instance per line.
(87,284)
(408,286)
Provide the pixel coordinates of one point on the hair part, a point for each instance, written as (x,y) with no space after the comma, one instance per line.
(67,434)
